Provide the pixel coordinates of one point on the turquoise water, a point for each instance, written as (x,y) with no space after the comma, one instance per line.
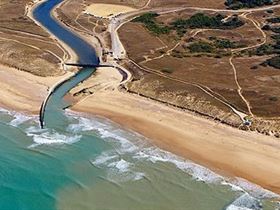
(94,164)
(90,163)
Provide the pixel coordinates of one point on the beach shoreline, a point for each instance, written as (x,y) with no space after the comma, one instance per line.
(221,148)
(226,150)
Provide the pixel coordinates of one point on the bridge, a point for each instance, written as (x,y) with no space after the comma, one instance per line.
(82,65)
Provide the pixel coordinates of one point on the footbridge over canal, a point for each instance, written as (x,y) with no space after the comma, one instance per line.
(82,65)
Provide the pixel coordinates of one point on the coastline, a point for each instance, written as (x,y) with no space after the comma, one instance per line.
(226,150)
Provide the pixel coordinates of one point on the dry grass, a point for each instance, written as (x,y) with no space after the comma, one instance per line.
(259,87)
(182,75)
(20,36)
(193,3)
(146,43)
(131,3)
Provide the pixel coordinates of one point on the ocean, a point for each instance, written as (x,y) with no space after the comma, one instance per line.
(93,164)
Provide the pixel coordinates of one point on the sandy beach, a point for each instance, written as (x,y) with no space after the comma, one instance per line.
(107,10)
(226,150)
(22,91)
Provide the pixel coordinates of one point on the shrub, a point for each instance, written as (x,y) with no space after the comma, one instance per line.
(270,11)
(266,27)
(275,37)
(200,46)
(148,19)
(238,4)
(224,43)
(167,70)
(274,62)
(265,49)
(276,29)
(273,98)
(201,20)
(274,20)
(254,67)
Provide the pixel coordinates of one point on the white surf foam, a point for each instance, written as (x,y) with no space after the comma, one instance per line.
(19,119)
(118,169)
(137,147)
(198,172)
(254,189)
(204,174)
(48,137)
(106,130)
(245,202)
(103,159)
(83,124)
(4,110)
(121,165)
(54,138)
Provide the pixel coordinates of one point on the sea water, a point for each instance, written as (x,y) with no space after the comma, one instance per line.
(92,163)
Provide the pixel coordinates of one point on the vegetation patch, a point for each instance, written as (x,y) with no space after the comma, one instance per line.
(276,37)
(149,20)
(201,20)
(167,70)
(198,20)
(266,49)
(201,47)
(272,48)
(218,47)
(275,29)
(273,20)
(227,44)
(239,4)
(274,62)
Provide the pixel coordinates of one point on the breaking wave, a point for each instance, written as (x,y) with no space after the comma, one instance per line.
(48,137)
(138,148)
(118,169)
(245,202)
(18,118)
(130,148)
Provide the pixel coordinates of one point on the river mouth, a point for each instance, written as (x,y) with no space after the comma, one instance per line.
(86,162)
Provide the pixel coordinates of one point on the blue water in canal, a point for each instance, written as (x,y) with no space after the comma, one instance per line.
(89,163)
